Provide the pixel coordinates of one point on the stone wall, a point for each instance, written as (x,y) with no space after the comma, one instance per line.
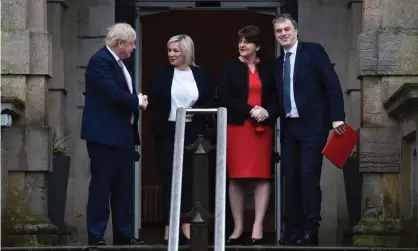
(388,49)
(26,147)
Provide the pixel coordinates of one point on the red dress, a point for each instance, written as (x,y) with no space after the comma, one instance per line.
(248,150)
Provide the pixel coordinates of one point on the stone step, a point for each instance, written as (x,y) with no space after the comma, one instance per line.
(186,248)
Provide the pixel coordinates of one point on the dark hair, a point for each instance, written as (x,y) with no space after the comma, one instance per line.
(283,17)
(251,34)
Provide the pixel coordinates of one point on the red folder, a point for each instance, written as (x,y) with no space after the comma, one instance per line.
(339,147)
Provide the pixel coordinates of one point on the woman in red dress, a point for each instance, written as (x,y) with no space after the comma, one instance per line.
(247,90)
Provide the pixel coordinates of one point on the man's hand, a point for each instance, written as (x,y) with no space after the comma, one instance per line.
(338,127)
(144,102)
(259,113)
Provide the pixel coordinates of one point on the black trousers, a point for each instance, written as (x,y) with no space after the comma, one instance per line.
(164,151)
(302,165)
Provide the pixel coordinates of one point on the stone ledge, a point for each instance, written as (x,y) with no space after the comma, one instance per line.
(379,150)
(403,102)
(388,52)
(12,106)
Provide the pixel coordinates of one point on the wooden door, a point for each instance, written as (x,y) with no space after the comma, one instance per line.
(215,37)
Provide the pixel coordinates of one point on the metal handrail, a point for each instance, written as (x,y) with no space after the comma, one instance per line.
(176,184)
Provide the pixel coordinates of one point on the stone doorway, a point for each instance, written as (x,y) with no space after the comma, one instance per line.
(214,33)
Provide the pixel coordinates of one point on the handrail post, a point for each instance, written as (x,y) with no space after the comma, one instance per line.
(220,192)
(177,176)
(176,183)
(199,214)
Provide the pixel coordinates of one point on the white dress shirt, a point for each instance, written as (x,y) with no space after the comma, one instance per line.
(127,75)
(294,110)
(184,92)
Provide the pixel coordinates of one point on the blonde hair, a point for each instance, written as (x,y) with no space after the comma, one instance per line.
(186,46)
(120,33)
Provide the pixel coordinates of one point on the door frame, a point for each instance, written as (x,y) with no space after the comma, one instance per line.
(153,7)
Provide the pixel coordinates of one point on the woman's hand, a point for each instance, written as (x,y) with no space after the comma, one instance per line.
(259,113)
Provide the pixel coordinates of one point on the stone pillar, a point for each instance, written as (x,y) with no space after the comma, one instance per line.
(388,49)
(26,147)
(57,85)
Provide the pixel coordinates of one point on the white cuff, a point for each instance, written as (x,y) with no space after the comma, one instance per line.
(140,99)
(336,124)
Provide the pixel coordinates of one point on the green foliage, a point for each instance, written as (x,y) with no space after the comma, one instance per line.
(58,145)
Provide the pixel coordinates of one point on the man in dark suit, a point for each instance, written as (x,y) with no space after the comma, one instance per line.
(312,104)
(109,126)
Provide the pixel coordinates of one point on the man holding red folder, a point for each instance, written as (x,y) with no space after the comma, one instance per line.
(312,105)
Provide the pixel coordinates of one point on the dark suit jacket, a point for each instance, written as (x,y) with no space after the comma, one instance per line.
(233,91)
(160,97)
(108,103)
(317,90)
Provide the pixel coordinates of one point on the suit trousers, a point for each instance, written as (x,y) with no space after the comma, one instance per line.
(165,150)
(112,172)
(302,165)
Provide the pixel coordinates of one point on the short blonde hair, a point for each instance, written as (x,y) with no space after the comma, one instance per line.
(186,46)
(120,33)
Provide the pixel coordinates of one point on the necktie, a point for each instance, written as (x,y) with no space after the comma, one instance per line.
(286,83)
(126,79)
(123,71)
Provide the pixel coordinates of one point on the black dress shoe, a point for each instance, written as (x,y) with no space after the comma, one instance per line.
(309,238)
(236,241)
(96,241)
(289,239)
(137,242)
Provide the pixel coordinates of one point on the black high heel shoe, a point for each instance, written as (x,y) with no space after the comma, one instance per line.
(236,241)
(183,239)
(257,241)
